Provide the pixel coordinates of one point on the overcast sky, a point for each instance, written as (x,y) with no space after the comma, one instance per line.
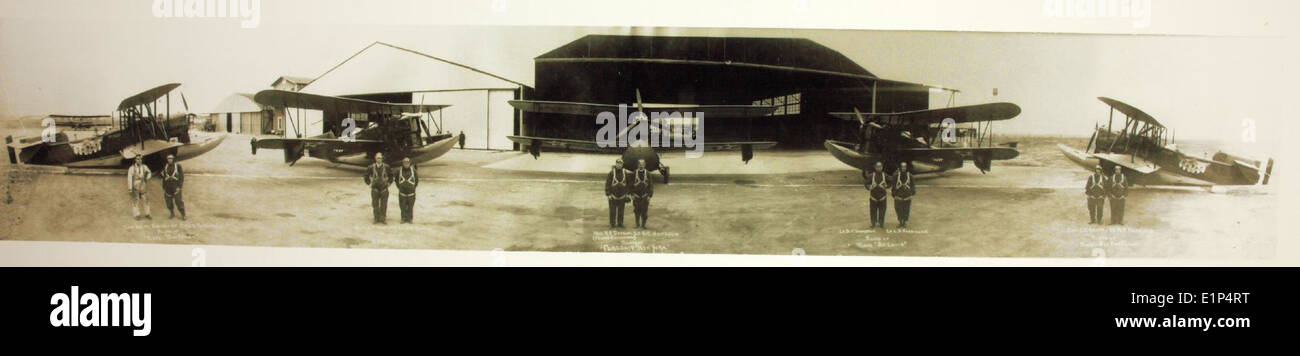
(83,57)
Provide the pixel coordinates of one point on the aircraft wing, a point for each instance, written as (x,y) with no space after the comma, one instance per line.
(147,96)
(591,109)
(295,147)
(728,146)
(966,153)
(1130,111)
(959,114)
(582,145)
(528,142)
(1128,161)
(149,147)
(293,99)
(280,143)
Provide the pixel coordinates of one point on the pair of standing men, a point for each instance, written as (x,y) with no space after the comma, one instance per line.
(880,186)
(618,190)
(1101,187)
(137,180)
(379,176)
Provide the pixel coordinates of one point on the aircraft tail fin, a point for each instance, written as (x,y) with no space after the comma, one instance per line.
(1268,171)
(535,148)
(13,156)
(983,161)
(293,151)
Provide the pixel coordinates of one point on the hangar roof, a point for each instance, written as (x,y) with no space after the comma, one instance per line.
(385,68)
(237,102)
(796,54)
(291,79)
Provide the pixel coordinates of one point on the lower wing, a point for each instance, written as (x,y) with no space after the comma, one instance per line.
(1128,161)
(848,153)
(966,153)
(982,156)
(295,147)
(593,109)
(533,145)
(959,114)
(581,145)
(148,147)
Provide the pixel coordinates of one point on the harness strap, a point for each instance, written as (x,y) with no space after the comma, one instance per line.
(877,182)
(171,175)
(642,176)
(402,178)
(1094,182)
(616,180)
(900,180)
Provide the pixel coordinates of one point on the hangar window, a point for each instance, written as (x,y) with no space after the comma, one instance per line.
(785,104)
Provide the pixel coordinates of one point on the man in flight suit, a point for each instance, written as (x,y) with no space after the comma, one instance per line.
(904,189)
(378,178)
(878,186)
(1117,192)
(616,190)
(407,180)
(173,180)
(1096,192)
(642,190)
(137,183)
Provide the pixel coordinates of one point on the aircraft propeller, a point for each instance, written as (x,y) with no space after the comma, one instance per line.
(865,127)
(640,108)
(1092,139)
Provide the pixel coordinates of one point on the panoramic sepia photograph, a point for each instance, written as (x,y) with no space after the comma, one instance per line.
(696,140)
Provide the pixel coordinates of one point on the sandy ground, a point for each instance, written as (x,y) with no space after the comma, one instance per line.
(1032,206)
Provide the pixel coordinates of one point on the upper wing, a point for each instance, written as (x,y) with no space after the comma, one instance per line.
(147,96)
(1130,111)
(293,99)
(591,109)
(959,114)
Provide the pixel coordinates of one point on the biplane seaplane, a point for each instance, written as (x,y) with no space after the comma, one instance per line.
(395,129)
(928,139)
(1149,157)
(145,126)
(645,138)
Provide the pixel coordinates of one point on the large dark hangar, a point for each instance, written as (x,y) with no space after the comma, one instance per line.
(803,78)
